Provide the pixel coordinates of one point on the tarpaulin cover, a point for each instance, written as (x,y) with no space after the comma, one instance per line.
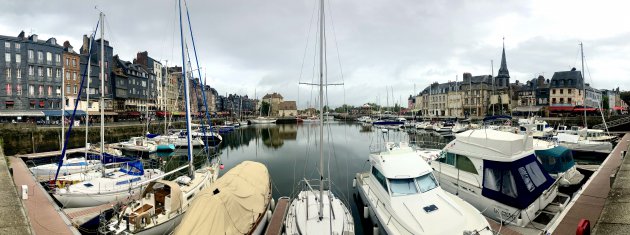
(232,205)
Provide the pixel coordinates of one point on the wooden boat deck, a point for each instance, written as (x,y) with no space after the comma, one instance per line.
(277,219)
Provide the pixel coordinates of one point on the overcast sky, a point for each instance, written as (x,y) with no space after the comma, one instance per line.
(380,45)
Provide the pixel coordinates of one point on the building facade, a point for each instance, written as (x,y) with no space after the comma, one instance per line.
(31,73)
(71,75)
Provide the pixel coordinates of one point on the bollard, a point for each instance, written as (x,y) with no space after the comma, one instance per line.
(24,192)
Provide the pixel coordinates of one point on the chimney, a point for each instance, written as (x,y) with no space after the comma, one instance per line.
(34,37)
(86,44)
(21,35)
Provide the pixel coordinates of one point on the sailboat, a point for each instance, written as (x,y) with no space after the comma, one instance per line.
(163,203)
(578,141)
(262,119)
(316,210)
(239,202)
(114,184)
(72,165)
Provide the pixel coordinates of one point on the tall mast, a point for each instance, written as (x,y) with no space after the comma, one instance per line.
(87,96)
(164,99)
(321,108)
(63,108)
(102,65)
(186,95)
(583,86)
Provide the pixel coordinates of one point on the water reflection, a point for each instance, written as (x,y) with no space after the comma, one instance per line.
(291,153)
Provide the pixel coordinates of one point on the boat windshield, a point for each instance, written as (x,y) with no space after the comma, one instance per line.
(401,187)
(426,182)
(409,186)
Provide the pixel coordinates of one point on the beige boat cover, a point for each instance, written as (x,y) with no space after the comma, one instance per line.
(176,193)
(231,205)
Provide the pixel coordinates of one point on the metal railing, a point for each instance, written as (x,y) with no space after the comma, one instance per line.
(614,123)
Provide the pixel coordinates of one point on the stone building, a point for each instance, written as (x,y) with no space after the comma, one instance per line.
(72,72)
(30,75)
(274,99)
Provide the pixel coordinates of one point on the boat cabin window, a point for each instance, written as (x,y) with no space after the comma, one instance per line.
(380,178)
(532,175)
(517,183)
(426,182)
(500,180)
(401,187)
(460,162)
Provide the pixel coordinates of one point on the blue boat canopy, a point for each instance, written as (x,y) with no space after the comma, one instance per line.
(556,160)
(497,117)
(133,168)
(151,136)
(517,184)
(109,158)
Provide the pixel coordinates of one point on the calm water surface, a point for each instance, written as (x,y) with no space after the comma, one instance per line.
(291,153)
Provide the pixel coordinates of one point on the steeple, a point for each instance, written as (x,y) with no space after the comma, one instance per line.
(503,71)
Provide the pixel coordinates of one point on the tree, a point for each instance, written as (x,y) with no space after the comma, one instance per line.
(605,104)
(265,109)
(625,96)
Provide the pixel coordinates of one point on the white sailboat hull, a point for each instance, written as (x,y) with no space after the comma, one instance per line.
(49,170)
(262,121)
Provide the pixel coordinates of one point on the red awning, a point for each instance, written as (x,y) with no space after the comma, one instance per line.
(584,109)
(162,113)
(618,108)
(561,108)
(132,113)
(41,104)
(8,102)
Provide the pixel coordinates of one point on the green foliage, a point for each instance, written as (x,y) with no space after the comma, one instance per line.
(605,104)
(265,109)
(625,96)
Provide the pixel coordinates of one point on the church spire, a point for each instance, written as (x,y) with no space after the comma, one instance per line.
(503,71)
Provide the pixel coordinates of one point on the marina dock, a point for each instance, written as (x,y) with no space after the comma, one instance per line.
(592,200)
(44,214)
(13,219)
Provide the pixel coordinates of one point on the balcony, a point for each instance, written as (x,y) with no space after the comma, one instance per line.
(31,60)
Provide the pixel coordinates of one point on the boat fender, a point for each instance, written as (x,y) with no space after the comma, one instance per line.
(366,212)
(268,215)
(354,183)
(273,204)
(375,230)
(584,227)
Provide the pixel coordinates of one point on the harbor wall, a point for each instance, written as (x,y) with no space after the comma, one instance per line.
(24,139)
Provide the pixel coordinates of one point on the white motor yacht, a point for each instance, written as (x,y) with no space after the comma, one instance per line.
(401,195)
(498,173)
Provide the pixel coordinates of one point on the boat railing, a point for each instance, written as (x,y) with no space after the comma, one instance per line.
(388,217)
(428,144)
